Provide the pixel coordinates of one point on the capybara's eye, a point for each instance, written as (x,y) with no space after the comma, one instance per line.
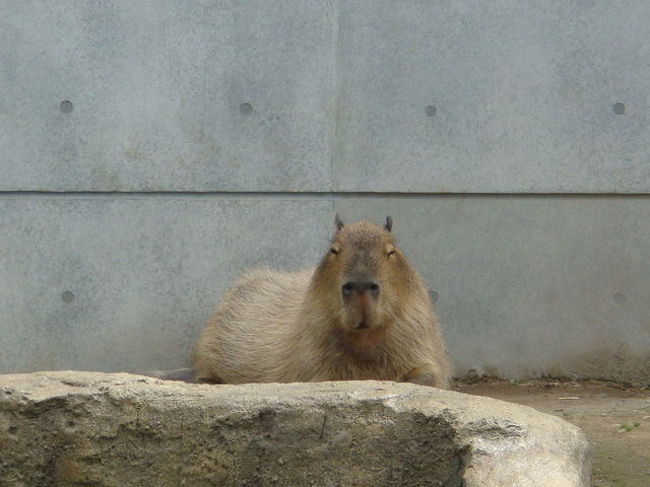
(390,251)
(334,251)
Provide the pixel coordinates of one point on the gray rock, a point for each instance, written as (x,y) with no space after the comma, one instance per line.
(83,428)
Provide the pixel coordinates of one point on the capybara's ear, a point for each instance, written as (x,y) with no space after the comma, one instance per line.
(389,223)
(338,222)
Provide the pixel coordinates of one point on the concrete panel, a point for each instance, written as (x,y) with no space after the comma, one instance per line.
(499,96)
(532,285)
(127,284)
(159,95)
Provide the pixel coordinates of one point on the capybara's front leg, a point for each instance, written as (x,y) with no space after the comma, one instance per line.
(425,375)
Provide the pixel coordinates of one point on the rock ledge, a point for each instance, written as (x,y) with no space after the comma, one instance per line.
(86,428)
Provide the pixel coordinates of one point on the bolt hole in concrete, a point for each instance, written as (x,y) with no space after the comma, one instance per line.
(66,106)
(246,108)
(618,108)
(430,110)
(67,296)
(434,296)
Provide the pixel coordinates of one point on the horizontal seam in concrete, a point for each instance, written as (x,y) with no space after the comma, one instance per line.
(326,195)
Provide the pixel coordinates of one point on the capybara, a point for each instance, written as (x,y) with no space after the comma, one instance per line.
(363,313)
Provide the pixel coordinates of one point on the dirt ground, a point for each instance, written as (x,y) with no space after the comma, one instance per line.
(615,418)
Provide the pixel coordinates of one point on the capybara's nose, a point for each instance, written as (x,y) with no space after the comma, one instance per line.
(360,287)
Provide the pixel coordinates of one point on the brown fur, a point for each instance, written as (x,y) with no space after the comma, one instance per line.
(300,326)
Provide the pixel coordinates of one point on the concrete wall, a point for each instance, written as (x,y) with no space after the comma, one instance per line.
(151,150)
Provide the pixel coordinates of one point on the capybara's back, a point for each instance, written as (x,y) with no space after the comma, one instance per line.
(362,313)
(251,328)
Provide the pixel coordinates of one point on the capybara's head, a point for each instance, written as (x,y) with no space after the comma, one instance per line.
(363,276)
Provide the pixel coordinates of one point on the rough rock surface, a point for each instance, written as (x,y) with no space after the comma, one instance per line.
(95,429)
